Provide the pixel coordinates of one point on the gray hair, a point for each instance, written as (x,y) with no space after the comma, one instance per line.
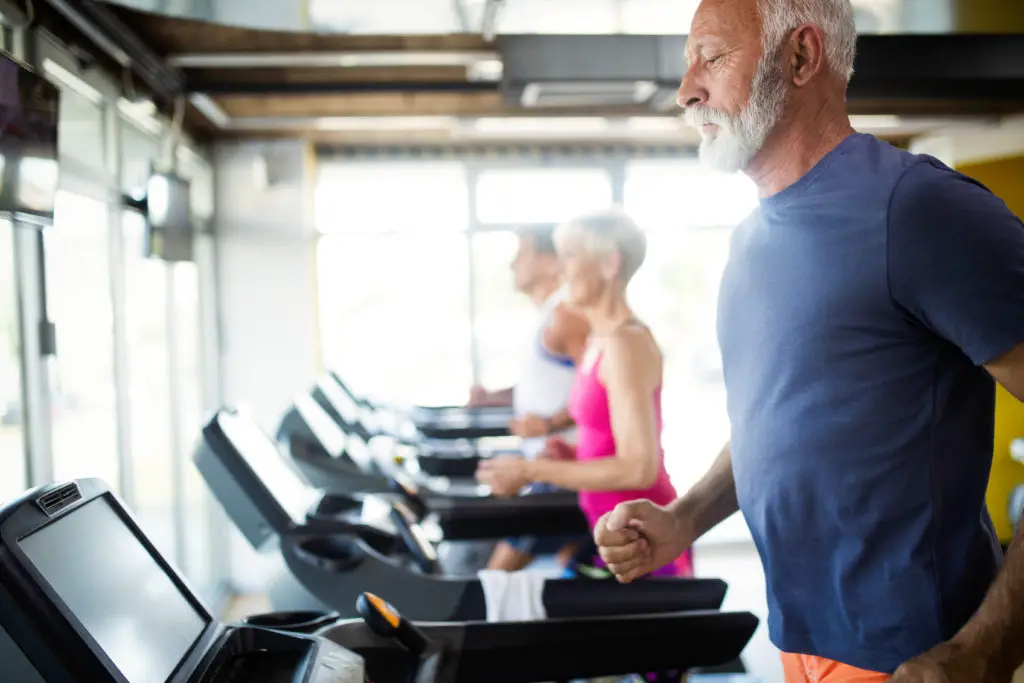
(833,17)
(611,231)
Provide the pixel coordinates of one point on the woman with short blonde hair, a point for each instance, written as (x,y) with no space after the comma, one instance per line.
(616,398)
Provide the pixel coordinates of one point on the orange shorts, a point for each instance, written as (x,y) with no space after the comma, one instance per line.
(809,669)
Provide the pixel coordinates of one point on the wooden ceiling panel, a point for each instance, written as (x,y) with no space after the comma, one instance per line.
(397,104)
(198,78)
(171,35)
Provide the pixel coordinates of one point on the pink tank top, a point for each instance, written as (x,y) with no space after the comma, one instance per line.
(588,404)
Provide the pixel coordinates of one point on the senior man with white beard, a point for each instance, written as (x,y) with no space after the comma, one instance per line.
(869,306)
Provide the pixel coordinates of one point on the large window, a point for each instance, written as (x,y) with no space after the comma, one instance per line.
(549,195)
(688,214)
(82,387)
(12,418)
(406,279)
(199,564)
(149,388)
(502,317)
(395,315)
(393,268)
(413,198)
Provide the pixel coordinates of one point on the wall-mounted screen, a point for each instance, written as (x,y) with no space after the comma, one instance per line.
(171,233)
(28,142)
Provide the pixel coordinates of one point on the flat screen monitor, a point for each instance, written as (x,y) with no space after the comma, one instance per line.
(326,430)
(29,106)
(282,481)
(171,233)
(342,401)
(121,595)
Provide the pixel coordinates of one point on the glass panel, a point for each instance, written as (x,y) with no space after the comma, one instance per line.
(152,453)
(138,149)
(12,444)
(398,197)
(82,375)
(502,318)
(678,194)
(676,293)
(199,560)
(540,195)
(676,290)
(80,137)
(394,314)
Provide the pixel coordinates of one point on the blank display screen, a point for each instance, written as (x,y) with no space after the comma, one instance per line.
(277,476)
(118,592)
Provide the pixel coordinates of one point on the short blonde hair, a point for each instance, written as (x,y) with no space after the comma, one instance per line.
(611,231)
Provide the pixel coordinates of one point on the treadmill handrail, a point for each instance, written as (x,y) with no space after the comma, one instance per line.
(573,648)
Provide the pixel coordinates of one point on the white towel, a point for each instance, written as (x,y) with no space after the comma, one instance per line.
(513,596)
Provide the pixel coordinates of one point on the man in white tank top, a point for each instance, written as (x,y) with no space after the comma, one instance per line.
(541,396)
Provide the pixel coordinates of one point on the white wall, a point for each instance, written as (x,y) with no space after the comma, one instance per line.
(267,296)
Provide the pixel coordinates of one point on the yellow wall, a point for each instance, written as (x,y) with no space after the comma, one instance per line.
(988,16)
(1005,177)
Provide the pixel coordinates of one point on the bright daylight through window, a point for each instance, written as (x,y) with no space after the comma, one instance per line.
(397,278)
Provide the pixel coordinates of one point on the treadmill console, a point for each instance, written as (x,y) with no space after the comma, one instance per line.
(261,490)
(324,429)
(86,598)
(341,400)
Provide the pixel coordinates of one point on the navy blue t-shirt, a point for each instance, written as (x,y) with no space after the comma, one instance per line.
(856,310)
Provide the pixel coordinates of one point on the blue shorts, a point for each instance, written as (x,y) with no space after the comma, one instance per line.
(544,545)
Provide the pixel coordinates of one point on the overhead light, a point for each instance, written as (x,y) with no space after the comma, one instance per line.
(875,122)
(248,60)
(142,113)
(71,81)
(534,125)
(655,124)
(485,70)
(383,123)
(209,108)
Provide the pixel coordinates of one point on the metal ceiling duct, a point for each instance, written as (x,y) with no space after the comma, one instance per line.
(609,70)
(559,71)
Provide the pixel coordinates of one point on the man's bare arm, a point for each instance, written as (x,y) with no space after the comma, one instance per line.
(997,629)
(711,500)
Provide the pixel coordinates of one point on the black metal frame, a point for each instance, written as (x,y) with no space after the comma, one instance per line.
(95,23)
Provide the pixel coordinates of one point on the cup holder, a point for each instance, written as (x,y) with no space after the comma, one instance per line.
(333,505)
(334,554)
(292,622)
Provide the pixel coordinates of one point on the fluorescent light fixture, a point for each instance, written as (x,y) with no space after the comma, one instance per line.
(249,60)
(533,125)
(72,81)
(485,70)
(876,122)
(655,124)
(384,123)
(209,108)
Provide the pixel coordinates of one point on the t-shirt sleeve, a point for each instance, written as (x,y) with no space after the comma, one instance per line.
(956,261)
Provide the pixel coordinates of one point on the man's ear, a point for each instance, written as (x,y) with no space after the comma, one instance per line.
(805,53)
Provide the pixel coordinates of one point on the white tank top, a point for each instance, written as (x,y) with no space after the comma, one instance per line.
(545,381)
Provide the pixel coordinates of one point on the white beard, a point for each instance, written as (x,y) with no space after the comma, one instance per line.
(726,150)
(740,137)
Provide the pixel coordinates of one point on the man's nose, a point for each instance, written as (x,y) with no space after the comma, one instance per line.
(690,94)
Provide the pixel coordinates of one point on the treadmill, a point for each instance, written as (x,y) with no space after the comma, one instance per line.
(335,547)
(443,423)
(233,441)
(120,613)
(452,458)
